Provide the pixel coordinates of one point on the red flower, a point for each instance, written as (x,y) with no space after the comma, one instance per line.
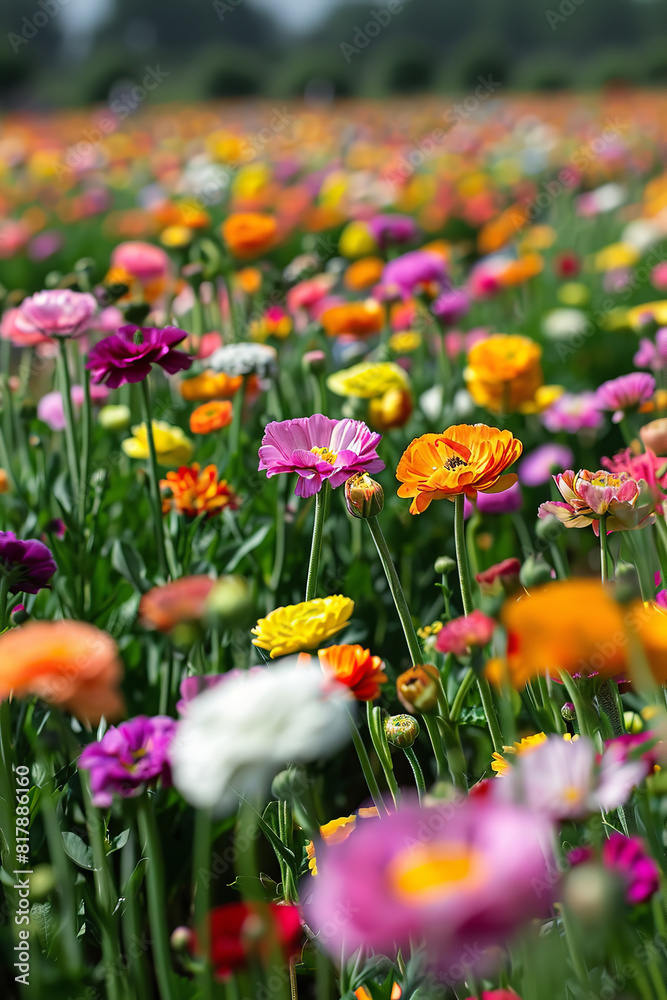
(243,931)
(458,635)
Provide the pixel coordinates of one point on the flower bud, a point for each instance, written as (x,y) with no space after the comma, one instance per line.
(4,482)
(181,938)
(444,565)
(115,417)
(230,602)
(315,362)
(590,894)
(290,784)
(364,497)
(627,583)
(417,688)
(549,528)
(19,614)
(401,730)
(535,571)
(568,711)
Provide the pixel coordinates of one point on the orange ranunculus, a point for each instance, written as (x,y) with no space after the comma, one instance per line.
(363,273)
(67,663)
(357,318)
(176,603)
(249,234)
(499,231)
(464,459)
(249,279)
(504,372)
(520,270)
(578,627)
(209,386)
(194,492)
(211,416)
(354,667)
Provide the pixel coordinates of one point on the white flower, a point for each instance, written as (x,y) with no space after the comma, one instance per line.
(563,779)
(561,324)
(239,734)
(245,359)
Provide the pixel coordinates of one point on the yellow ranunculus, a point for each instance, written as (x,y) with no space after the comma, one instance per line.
(405,341)
(171,444)
(356,241)
(616,255)
(368,380)
(302,626)
(504,372)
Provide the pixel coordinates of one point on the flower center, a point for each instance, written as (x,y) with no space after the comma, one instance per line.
(325,454)
(453,463)
(426,873)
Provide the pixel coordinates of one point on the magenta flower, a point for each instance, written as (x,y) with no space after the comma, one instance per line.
(449,877)
(647,466)
(652,355)
(588,496)
(507,502)
(386,229)
(460,634)
(28,564)
(451,306)
(128,757)
(404,274)
(57,312)
(318,449)
(627,858)
(127,356)
(573,412)
(536,468)
(625,393)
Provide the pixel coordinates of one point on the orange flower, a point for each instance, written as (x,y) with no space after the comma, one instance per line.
(354,667)
(577,626)
(176,603)
(393,409)
(499,231)
(357,318)
(336,831)
(521,270)
(504,372)
(70,664)
(464,459)
(249,279)
(209,386)
(211,416)
(194,492)
(249,234)
(363,273)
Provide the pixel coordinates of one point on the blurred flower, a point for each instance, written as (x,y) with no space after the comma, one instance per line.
(625,393)
(303,626)
(451,306)
(147,263)
(128,758)
(647,312)
(659,276)
(238,735)
(572,413)
(319,449)
(242,933)
(417,689)
(573,293)
(115,417)
(178,602)
(26,565)
(9,330)
(567,264)
(194,492)
(507,502)
(56,312)
(249,234)
(354,667)
(588,496)
(368,379)
(70,664)
(363,273)
(405,341)
(127,356)
(652,355)
(536,468)
(338,830)
(193,685)
(51,410)
(459,635)
(210,386)
(522,269)
(628,858)
(211,416)
(464,459)
(275,322)
(245,359)
(468,878)
(391,410)
(356,240)
(171,444)
(491,580)
(358,319)
(646,468)
(392,229)
(502,766)
(561,324)
(654,435)
(409,273)
(504,372)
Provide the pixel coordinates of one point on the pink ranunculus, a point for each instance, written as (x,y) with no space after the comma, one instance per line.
(318,449)
(57,312)
(507,502)
(127,356)
(451,306)
(573,413)
(448,877)
(628,858)
(19,337)
(624,502)
(624,393)
(460,634)
(647,466)
(129,757)
(143,261)
(388,229)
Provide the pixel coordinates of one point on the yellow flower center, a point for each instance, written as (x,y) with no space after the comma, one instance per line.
(426,873)
(325,454)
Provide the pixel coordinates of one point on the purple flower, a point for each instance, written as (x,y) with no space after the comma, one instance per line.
(573,412)
(50,409)
(628,858)
(128,757)
(28,564)
(652,355)
(506,502)
(318,448)
(451,306)
(387,229)
(536,468)
(127,356)
(625,393)
(56,312)
(419,267)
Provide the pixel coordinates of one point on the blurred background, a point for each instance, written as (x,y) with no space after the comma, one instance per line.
(57,53)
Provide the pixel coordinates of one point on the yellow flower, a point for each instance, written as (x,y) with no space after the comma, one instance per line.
(356,241)
(538,238)
(616,255)
(573,293)
(504,372)
(656,310)
(499,762)
(176,236)
(368,380)
(302,626)
(171,444)
(405,341)
(544,397)
(336,831)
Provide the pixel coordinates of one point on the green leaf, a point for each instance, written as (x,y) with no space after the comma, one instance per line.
(250,543)
(119,841)
(127,561)
(78,851)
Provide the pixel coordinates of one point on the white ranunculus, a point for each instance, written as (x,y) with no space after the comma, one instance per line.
(561,324)
(238,735)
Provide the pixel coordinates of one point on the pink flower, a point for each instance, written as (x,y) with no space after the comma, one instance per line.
(573,413)
(625,393)
(56,312)
(628,857)
(143,261)
(127,356)
(451,876)
(659,276)
(506,502)
(589,496)
(318,448)
(647,466)
(566,780)
(404,274)
(459,634)
(128,757)
(18,336)
(452,306)
(536,467)
(652,355)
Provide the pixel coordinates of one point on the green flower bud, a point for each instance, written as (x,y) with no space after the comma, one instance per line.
(548,529)
(363,496)
(444,565)
(627,583)
(534,572)
(568,711)
(401,730)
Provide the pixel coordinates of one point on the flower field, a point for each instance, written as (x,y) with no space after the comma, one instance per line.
(333,553)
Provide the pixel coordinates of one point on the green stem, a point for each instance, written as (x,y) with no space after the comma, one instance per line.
(202,894)
(396,590)
(235,428)
(316,544)
(605,556)
(70,432)
(4,598)
(154,480)
(157,899)
(374,719)
(366,768)
(460,696)
(85,448)
(416,770)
